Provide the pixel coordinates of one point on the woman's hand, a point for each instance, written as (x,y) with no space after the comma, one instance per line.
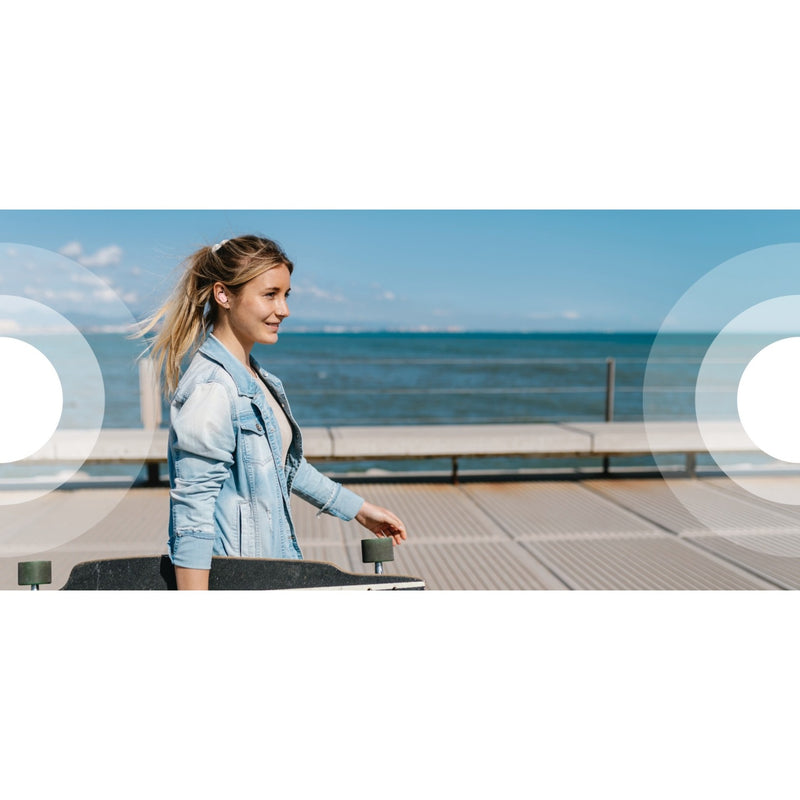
(382,522)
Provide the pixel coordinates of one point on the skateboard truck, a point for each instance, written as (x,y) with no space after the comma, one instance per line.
(376,551)
(34,573)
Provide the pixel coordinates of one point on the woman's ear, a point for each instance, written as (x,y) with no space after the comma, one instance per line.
(220,295)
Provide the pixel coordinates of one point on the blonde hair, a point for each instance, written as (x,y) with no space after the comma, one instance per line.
(190,311)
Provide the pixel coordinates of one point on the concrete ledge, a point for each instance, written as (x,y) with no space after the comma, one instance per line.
(125,445)
(112,445)
(456,441)
(632,438)
(318,443)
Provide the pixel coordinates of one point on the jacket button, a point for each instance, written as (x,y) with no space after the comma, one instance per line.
(258,427)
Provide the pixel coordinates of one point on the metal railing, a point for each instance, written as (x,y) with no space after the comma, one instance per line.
(607,391)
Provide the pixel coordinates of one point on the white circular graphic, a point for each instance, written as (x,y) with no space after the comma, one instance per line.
(768,399)
(31,401)
(741,453)
(78,324)
(43,336)
(725,364)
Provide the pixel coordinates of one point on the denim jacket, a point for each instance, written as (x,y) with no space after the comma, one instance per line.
(229,489)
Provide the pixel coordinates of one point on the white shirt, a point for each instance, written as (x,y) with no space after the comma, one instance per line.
(284,427)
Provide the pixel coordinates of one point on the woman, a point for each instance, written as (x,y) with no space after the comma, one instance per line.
(235,451)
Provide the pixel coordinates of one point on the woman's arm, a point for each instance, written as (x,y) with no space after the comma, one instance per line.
(332,498)
(188,578)
(329,496)
(202,445)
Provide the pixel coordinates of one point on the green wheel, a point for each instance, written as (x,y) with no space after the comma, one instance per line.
(375,550)
(34,573)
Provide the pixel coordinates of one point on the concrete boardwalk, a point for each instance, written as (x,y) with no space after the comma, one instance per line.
(353,443)
(594,533)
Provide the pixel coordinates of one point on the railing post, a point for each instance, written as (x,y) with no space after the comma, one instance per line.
(149,394)
(610,369)
(150,405)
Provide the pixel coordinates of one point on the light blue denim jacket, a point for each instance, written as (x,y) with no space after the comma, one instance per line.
(229,490)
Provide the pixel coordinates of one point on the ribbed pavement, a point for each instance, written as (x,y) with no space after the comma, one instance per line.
(613,534)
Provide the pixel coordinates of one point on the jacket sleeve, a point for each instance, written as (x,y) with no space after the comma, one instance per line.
(202,444)
(327,495)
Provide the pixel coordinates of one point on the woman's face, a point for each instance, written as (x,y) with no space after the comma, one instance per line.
(255,313)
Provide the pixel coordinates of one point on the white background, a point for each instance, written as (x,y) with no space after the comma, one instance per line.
(415,105)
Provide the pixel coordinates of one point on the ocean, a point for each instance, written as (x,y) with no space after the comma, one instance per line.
(410,378)
(446,378)
(340,379)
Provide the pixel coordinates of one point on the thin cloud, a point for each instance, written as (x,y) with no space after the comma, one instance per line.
(540,315)
(105,295)
(104,257)
(84,278)
(317,293)
(36,293)
(99,295)
(71,249)
(382,293)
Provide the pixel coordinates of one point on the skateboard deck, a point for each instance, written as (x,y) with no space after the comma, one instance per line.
(151,573)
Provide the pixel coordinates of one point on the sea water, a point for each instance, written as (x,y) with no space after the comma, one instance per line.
(436,378)
(470,378)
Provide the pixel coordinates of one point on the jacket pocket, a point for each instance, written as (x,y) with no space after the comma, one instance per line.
(253,443)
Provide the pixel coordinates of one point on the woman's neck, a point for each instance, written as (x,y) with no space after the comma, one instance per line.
(234,346)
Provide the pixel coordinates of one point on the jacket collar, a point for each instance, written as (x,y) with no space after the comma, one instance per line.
(216,351)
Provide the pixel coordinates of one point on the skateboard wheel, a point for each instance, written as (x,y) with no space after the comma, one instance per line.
(374,550)
(34,573)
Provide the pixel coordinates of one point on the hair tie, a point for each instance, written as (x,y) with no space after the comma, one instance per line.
(218,245)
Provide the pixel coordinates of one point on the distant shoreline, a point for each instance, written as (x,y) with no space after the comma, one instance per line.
(111,330)
(337,331)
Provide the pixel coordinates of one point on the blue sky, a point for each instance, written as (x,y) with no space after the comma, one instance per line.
(424,270)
